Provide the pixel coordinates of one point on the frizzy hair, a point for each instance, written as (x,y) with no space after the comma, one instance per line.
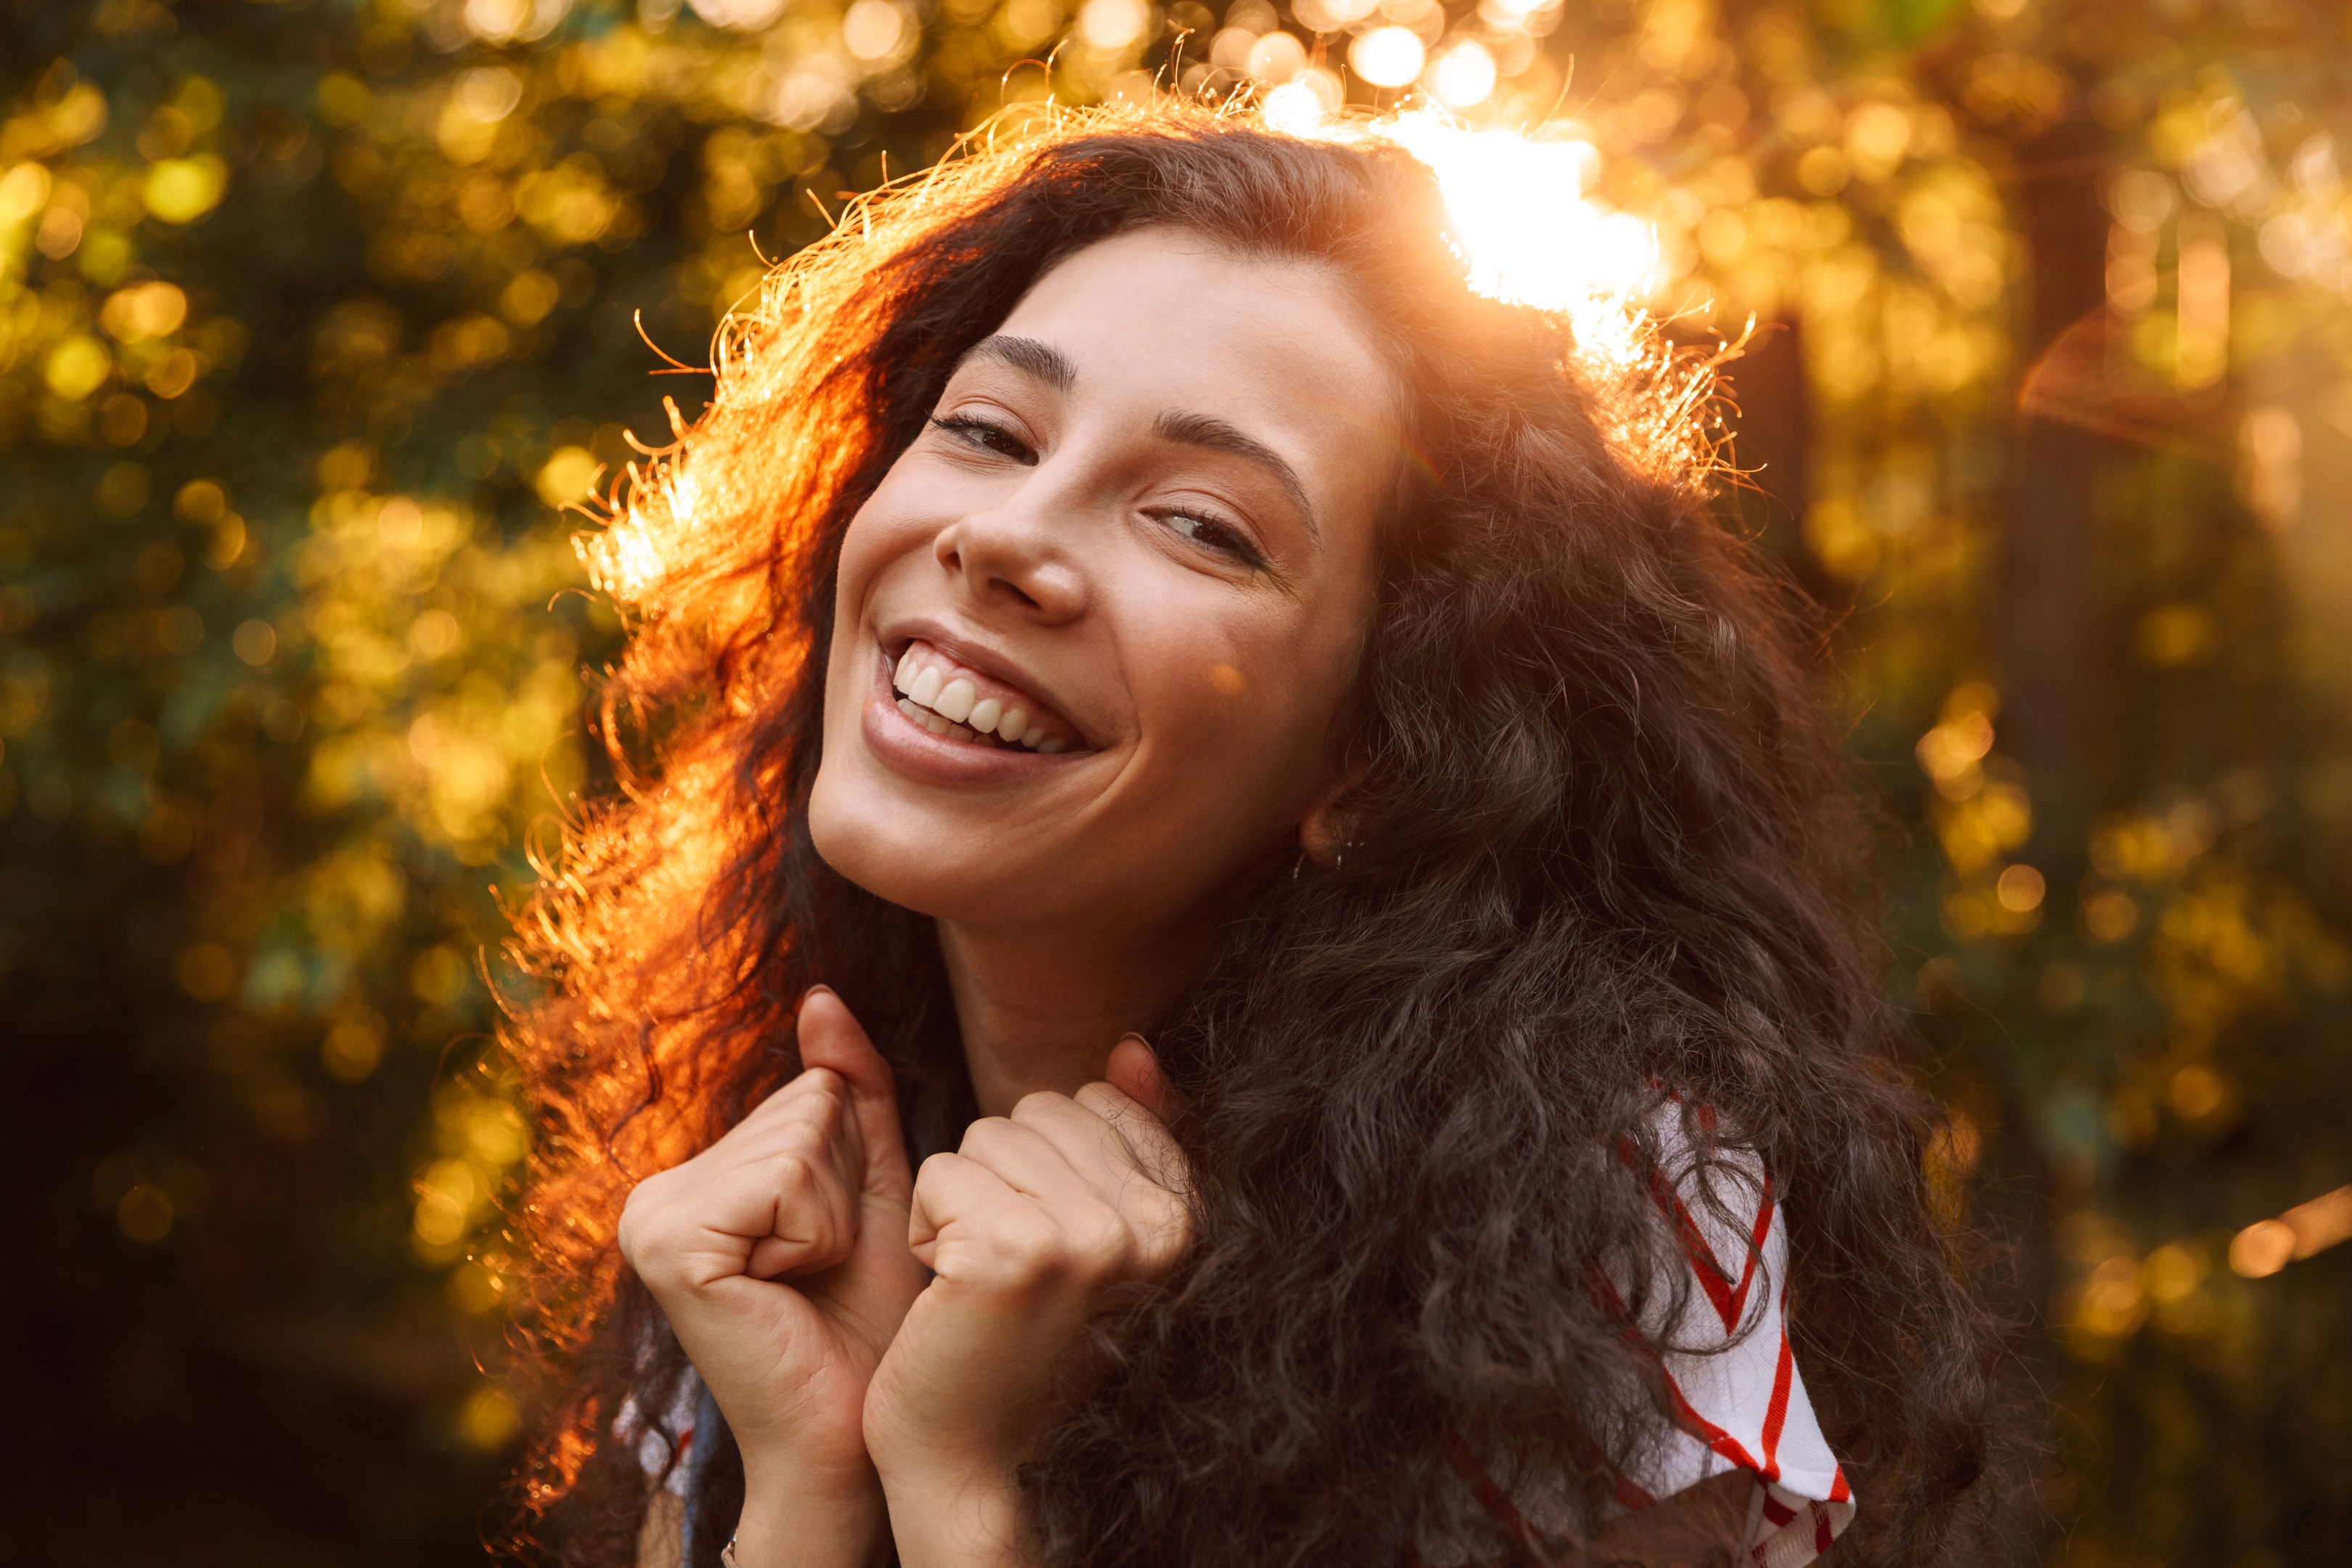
(1603,859)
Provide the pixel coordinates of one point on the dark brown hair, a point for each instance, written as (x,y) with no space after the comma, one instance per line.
(1604,851)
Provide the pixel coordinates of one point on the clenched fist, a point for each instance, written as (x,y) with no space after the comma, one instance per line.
(1029,1225)
(780,1255)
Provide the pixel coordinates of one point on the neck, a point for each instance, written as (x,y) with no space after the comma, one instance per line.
(1042,1010)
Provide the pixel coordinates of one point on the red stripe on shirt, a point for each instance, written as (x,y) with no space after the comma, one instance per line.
(1730,1304)
(1784,1372)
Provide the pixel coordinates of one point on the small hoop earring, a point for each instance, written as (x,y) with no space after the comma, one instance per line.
(1339,859)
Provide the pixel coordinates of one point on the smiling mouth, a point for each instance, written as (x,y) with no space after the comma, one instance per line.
(956,702)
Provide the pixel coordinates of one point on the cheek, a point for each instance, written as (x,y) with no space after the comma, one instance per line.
(1239,719)
(876,538)
(878,534)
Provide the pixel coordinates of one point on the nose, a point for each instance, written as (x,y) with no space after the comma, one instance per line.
(1015,556)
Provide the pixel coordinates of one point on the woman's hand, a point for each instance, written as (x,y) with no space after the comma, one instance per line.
(810,1188)
(1038,1216)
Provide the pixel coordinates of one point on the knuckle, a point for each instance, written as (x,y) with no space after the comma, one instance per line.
(1101,1246)
(639,1215)
(1027,1243)
(808,1143)
(797,1177)
(1036,1103)
(817,1127)
(988,1133)
(934,1169)
(646,1254)
(820,1239)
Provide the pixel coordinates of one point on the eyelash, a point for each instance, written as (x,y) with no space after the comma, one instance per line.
(986,435)
(989,437)
(1234,546)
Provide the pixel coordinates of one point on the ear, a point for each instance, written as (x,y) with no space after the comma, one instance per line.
(1327,829)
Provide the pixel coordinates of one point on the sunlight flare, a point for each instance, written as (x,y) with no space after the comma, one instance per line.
(1530,235)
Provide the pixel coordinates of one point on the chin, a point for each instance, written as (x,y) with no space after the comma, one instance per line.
(856,846)
(897,862)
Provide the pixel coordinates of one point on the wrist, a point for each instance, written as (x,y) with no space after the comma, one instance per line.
(950,1514)
(803,1461)
(800,1467)
(801,1518)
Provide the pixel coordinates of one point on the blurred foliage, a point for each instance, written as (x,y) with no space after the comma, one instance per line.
(313,313)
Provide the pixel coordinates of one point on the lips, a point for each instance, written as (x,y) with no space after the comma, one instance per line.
(951,699)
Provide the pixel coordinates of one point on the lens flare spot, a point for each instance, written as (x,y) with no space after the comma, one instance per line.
(1464,75)
(489,1420)
(1388,56)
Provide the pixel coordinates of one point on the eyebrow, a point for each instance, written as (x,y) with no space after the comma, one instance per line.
(1049,365)
(1040,362)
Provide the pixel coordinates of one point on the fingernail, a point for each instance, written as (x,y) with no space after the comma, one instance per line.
(810,992)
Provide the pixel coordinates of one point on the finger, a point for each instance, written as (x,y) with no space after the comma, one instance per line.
(792,1121)
(1134,1070)
(831,1037)
(1150,1146)
(1128,1160)
(811,1110)
(952,1189)
(814,1174)
(1088,1139)
(1043,1150)
(786,1104)
(975,1230)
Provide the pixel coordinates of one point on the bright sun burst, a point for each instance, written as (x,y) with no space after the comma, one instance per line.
(1521,219)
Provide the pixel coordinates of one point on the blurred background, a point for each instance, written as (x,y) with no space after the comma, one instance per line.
(314,314)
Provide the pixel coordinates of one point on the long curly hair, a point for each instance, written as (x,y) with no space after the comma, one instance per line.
(1604,860)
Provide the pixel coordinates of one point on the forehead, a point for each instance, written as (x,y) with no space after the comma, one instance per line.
(1167,316)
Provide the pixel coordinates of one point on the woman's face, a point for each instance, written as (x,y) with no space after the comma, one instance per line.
(1094,628)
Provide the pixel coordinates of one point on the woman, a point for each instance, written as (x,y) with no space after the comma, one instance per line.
(1318,851)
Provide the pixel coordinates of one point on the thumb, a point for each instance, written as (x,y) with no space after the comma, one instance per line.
(1134,1070)
(831,1036)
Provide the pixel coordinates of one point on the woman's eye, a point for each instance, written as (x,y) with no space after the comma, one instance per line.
(985,436)
(1210,534)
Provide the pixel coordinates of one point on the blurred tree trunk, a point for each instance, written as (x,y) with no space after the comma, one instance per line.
(2048,631)
(1775,438)
(2049,589)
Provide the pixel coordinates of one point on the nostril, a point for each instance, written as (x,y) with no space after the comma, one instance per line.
(1027,603)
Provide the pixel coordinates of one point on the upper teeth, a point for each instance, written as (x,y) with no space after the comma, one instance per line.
(946,704)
